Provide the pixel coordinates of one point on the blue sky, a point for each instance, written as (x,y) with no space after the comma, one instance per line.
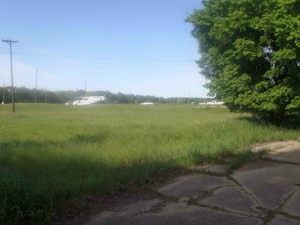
(130,46)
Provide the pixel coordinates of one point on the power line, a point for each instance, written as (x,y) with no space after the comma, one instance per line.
(10,42)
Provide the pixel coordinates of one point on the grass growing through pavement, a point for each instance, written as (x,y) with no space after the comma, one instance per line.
(51,153)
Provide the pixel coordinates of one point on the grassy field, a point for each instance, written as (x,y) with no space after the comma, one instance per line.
(51,153)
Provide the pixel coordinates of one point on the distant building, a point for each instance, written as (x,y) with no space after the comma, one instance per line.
(213,102)
(88,100)
(147,103)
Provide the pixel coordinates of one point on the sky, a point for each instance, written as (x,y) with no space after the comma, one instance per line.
(130,46)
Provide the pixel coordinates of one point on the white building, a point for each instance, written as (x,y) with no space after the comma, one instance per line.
(88,100)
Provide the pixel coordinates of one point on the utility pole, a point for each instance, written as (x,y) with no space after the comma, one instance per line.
(85,87)
(36,77)
(3,98)
(10,42)
(46,94)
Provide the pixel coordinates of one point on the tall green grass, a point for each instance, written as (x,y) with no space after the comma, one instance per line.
(51,153)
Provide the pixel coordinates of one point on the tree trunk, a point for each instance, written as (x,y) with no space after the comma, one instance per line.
(277,118)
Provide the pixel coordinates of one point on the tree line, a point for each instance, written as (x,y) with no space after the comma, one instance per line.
(26,95)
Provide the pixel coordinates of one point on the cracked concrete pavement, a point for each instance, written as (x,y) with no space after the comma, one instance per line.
(265,192)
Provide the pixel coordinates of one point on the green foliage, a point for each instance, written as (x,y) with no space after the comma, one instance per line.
(50,154)
(250,53)
(240,159)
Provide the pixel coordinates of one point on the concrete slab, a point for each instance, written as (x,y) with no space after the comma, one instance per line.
(291,155)
(193,186)
(233,199)
(286,151)
(282,220)
(175,213)
(124,211)
(270,183)
(292,206)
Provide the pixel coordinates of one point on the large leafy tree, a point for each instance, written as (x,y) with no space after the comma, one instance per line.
(250,54)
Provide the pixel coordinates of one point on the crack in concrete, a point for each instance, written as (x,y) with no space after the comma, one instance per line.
(245,191)
(266,216)
(289,216)
(285,200)
(216,208)
(203,194)
(271,214)
(206,194)
(171,199)
(280,208)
